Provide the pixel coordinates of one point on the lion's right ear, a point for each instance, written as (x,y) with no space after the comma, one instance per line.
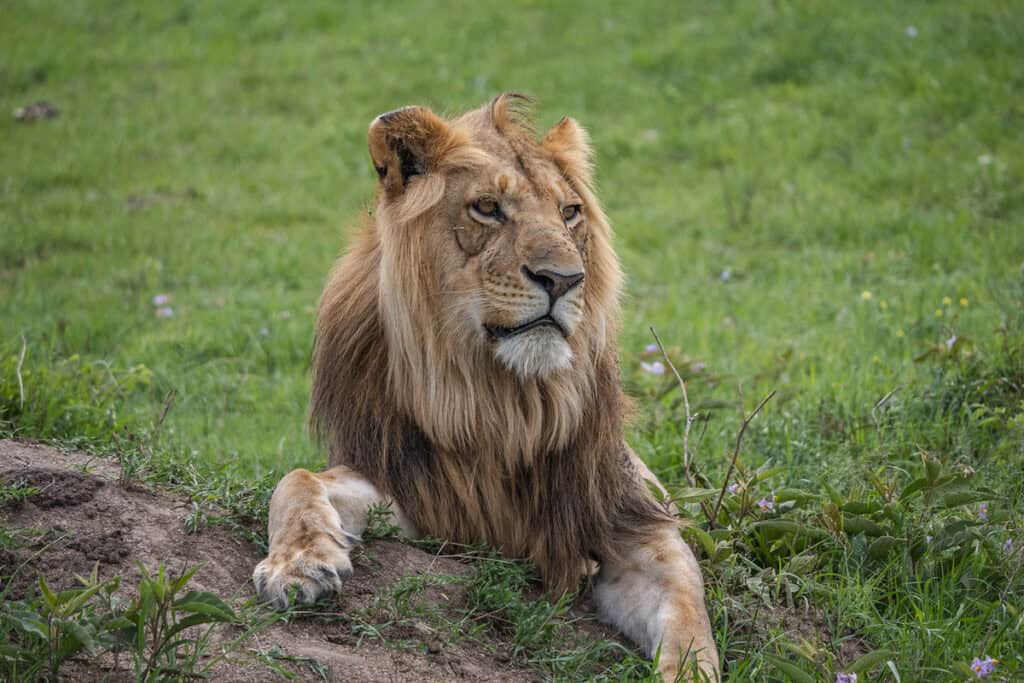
(569,145)
(407,142)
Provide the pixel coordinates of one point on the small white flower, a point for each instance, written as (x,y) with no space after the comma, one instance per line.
(264,332)
(726,275)
(655,368)
(986,159)
(651,134)
(910,32)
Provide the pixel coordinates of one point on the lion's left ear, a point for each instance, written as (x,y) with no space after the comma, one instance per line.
(569,145)
(407,142)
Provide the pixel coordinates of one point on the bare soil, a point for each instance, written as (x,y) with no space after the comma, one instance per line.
(86,518)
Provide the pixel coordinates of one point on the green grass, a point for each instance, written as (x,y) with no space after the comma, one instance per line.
(846,176)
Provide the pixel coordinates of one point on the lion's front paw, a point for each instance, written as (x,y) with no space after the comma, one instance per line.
(314,569)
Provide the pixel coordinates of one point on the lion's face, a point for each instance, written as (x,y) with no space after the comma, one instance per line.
(511,243)
(497,228)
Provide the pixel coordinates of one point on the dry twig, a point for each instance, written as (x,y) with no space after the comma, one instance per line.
(691,478)
(736,454)
(17,372)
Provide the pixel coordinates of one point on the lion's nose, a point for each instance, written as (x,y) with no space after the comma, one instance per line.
(554,283)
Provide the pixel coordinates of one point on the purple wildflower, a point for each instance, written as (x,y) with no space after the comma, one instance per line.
(846,678)
(767,504)
(164,312)
(951,342)
(655,368)
(983,511)
(650,348)
(734,489)
(983,668)
(161,300)
(1008,546)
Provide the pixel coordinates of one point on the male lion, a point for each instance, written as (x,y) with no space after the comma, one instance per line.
(465,373)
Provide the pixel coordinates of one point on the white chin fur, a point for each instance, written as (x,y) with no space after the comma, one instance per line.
(536,353)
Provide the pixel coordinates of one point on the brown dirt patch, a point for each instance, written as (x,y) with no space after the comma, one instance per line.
(82,517)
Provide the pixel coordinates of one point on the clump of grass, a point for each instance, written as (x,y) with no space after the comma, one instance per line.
(13,494)
(166,631)
(540,630)
(926,543)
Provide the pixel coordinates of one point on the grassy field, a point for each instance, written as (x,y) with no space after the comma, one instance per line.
(811,197)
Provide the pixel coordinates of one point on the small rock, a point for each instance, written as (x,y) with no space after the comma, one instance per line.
(35,111)
(434,647)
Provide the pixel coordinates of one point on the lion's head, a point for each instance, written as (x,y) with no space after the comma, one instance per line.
(494,238)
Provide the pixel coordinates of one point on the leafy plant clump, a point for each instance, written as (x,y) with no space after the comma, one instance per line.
(165,633)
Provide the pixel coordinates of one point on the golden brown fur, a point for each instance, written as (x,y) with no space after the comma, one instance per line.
(470,451)
(465,374)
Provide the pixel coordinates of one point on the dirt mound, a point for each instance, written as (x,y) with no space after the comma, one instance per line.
(81,516)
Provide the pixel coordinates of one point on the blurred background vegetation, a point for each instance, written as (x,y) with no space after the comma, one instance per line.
(819,198)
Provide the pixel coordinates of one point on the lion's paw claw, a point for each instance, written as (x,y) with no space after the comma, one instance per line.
(313,573)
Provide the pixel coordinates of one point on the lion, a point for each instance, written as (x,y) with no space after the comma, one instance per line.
(465,374)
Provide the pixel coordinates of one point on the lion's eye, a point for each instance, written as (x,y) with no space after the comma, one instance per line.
(571,214)
(487,209)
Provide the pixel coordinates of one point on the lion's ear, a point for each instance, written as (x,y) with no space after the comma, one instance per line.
(407,142)
(569,145)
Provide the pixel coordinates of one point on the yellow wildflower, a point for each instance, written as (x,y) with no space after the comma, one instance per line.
(964,301)
(866,295)
(946,301)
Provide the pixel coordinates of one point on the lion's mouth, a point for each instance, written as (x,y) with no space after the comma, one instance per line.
(544,321)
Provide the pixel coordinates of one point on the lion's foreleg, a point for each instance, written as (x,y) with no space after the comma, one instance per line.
(315,521)
(655,595)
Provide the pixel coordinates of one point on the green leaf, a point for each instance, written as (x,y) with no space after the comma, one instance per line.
(186,576)
(703,538)
(656,490)
(833,494)
(860,508)
(48,595)
(854,524)
(83,596)
(798,495)
(912,488)
(785,526)
(792,671)
(27,622)
(190,621)
(83,637)
(879,485)
(882,546)
(959,498)
(767,474)
(870,661)
(693,495)
(201,602)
